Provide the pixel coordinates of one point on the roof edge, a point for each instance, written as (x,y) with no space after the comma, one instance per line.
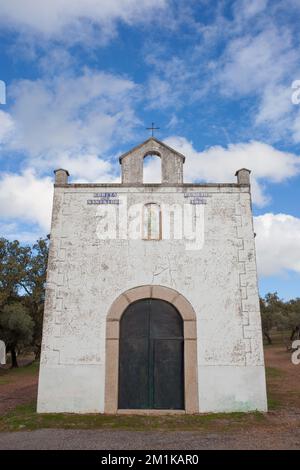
(145,142)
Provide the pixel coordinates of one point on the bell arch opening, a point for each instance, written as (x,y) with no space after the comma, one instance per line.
(152,168)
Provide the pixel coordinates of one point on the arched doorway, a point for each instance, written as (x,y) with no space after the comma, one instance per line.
(151,356)
(112,361)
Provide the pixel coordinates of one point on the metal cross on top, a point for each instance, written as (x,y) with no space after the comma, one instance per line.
(152,128)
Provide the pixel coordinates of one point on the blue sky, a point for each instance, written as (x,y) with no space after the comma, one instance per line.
(84,79)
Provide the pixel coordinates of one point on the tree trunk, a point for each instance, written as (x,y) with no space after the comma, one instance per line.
(37,352)
(268,337)
(295,333)
(14,362)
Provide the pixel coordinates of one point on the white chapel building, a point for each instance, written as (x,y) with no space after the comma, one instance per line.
(151,299)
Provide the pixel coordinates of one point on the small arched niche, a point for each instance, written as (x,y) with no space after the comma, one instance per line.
(152,221)
(152,168)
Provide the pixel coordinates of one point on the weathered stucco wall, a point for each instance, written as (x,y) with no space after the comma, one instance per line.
(86,274)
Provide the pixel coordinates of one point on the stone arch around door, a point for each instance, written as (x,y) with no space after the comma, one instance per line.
(113,335)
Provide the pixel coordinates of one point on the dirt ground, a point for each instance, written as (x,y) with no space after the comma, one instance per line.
(18,387)
(277,429)
(283,377)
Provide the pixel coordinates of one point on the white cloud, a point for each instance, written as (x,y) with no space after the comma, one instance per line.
(252,62)
(275,103)
(219,164)
(173,122)
(56,60)
(65,117)
(277,243)
(247,9)
(88,168)
(262,65)
(27,198)
(169,81)
(75,18)
(160,94)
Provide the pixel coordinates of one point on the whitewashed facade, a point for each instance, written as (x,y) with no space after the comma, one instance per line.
(98,252)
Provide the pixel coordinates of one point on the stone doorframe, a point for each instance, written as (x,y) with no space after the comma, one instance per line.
(112,344)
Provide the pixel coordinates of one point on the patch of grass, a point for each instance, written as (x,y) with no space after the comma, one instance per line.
(274,373)
(25,418)
(4,381)
(26,370)
(11,375)
(294,393)
(273,403)
(275,398)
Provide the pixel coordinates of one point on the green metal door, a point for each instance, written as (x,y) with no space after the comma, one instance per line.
(151,374)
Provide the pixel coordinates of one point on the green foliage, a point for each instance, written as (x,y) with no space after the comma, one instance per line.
(22,293)
(14,260)
(16,325)
(280,315)
(34,285)
(291,318)
(270,307)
